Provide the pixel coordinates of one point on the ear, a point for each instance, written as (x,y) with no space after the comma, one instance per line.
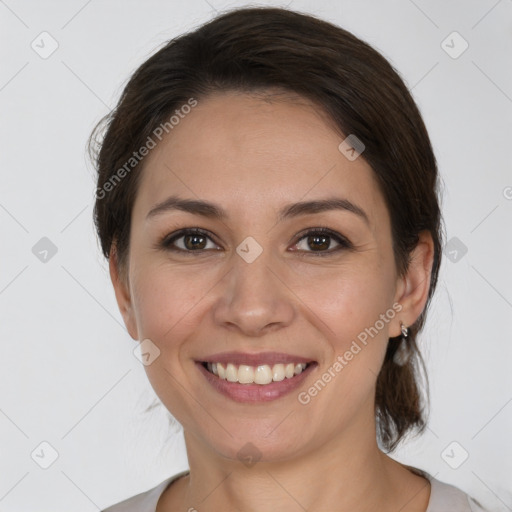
(122,292)
(412,289)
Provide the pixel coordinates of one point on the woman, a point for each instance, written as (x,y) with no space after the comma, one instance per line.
(268,202)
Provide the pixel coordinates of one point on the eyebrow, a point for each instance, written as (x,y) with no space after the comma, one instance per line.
(210,210)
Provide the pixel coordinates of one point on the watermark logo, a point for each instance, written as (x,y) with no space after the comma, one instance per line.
(146,352)
(249,455)
(44,250)
(249,249)
(454,45)
(352,147)
(454,455)
(455,249)
(44,45)
(44,455)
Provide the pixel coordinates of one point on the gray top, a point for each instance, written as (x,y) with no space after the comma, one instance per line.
(443,497)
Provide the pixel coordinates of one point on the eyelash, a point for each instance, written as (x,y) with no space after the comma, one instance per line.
(167,241)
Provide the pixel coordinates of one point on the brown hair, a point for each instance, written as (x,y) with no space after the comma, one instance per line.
(259,49)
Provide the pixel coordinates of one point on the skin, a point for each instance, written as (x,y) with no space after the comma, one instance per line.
(252,156)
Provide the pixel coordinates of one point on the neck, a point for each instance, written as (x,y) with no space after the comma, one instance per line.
(347,473)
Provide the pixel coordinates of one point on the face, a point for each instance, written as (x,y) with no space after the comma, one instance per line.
(271,276)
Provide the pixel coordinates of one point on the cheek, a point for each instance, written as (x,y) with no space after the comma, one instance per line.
(166,300)
(348,300)
(356,306)
(167,303)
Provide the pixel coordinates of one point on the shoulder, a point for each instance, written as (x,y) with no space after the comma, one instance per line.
(445,497)
(145,501)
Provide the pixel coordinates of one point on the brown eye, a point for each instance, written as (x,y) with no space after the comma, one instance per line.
(192,242)
(318,242)
(322,241)
(189,240)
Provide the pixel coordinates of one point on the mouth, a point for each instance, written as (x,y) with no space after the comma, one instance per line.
(255,378)
(262,374)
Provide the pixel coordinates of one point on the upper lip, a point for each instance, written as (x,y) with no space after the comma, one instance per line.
(261,358)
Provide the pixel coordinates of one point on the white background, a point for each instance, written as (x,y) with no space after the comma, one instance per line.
(68,375)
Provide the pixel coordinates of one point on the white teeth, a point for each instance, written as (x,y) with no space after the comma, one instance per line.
(231,373)
(289,370)
(245,374)
(262,374)
(278,372)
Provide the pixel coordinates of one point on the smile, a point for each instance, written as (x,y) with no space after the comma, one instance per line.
(255,378)
(262,374)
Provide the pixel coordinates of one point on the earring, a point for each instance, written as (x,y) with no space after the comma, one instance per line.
(402,354)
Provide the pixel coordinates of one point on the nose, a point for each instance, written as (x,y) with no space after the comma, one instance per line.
(253,298)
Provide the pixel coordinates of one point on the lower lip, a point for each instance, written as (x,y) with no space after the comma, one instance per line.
(255,392)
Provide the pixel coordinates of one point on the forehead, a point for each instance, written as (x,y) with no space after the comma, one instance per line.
(247,152)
